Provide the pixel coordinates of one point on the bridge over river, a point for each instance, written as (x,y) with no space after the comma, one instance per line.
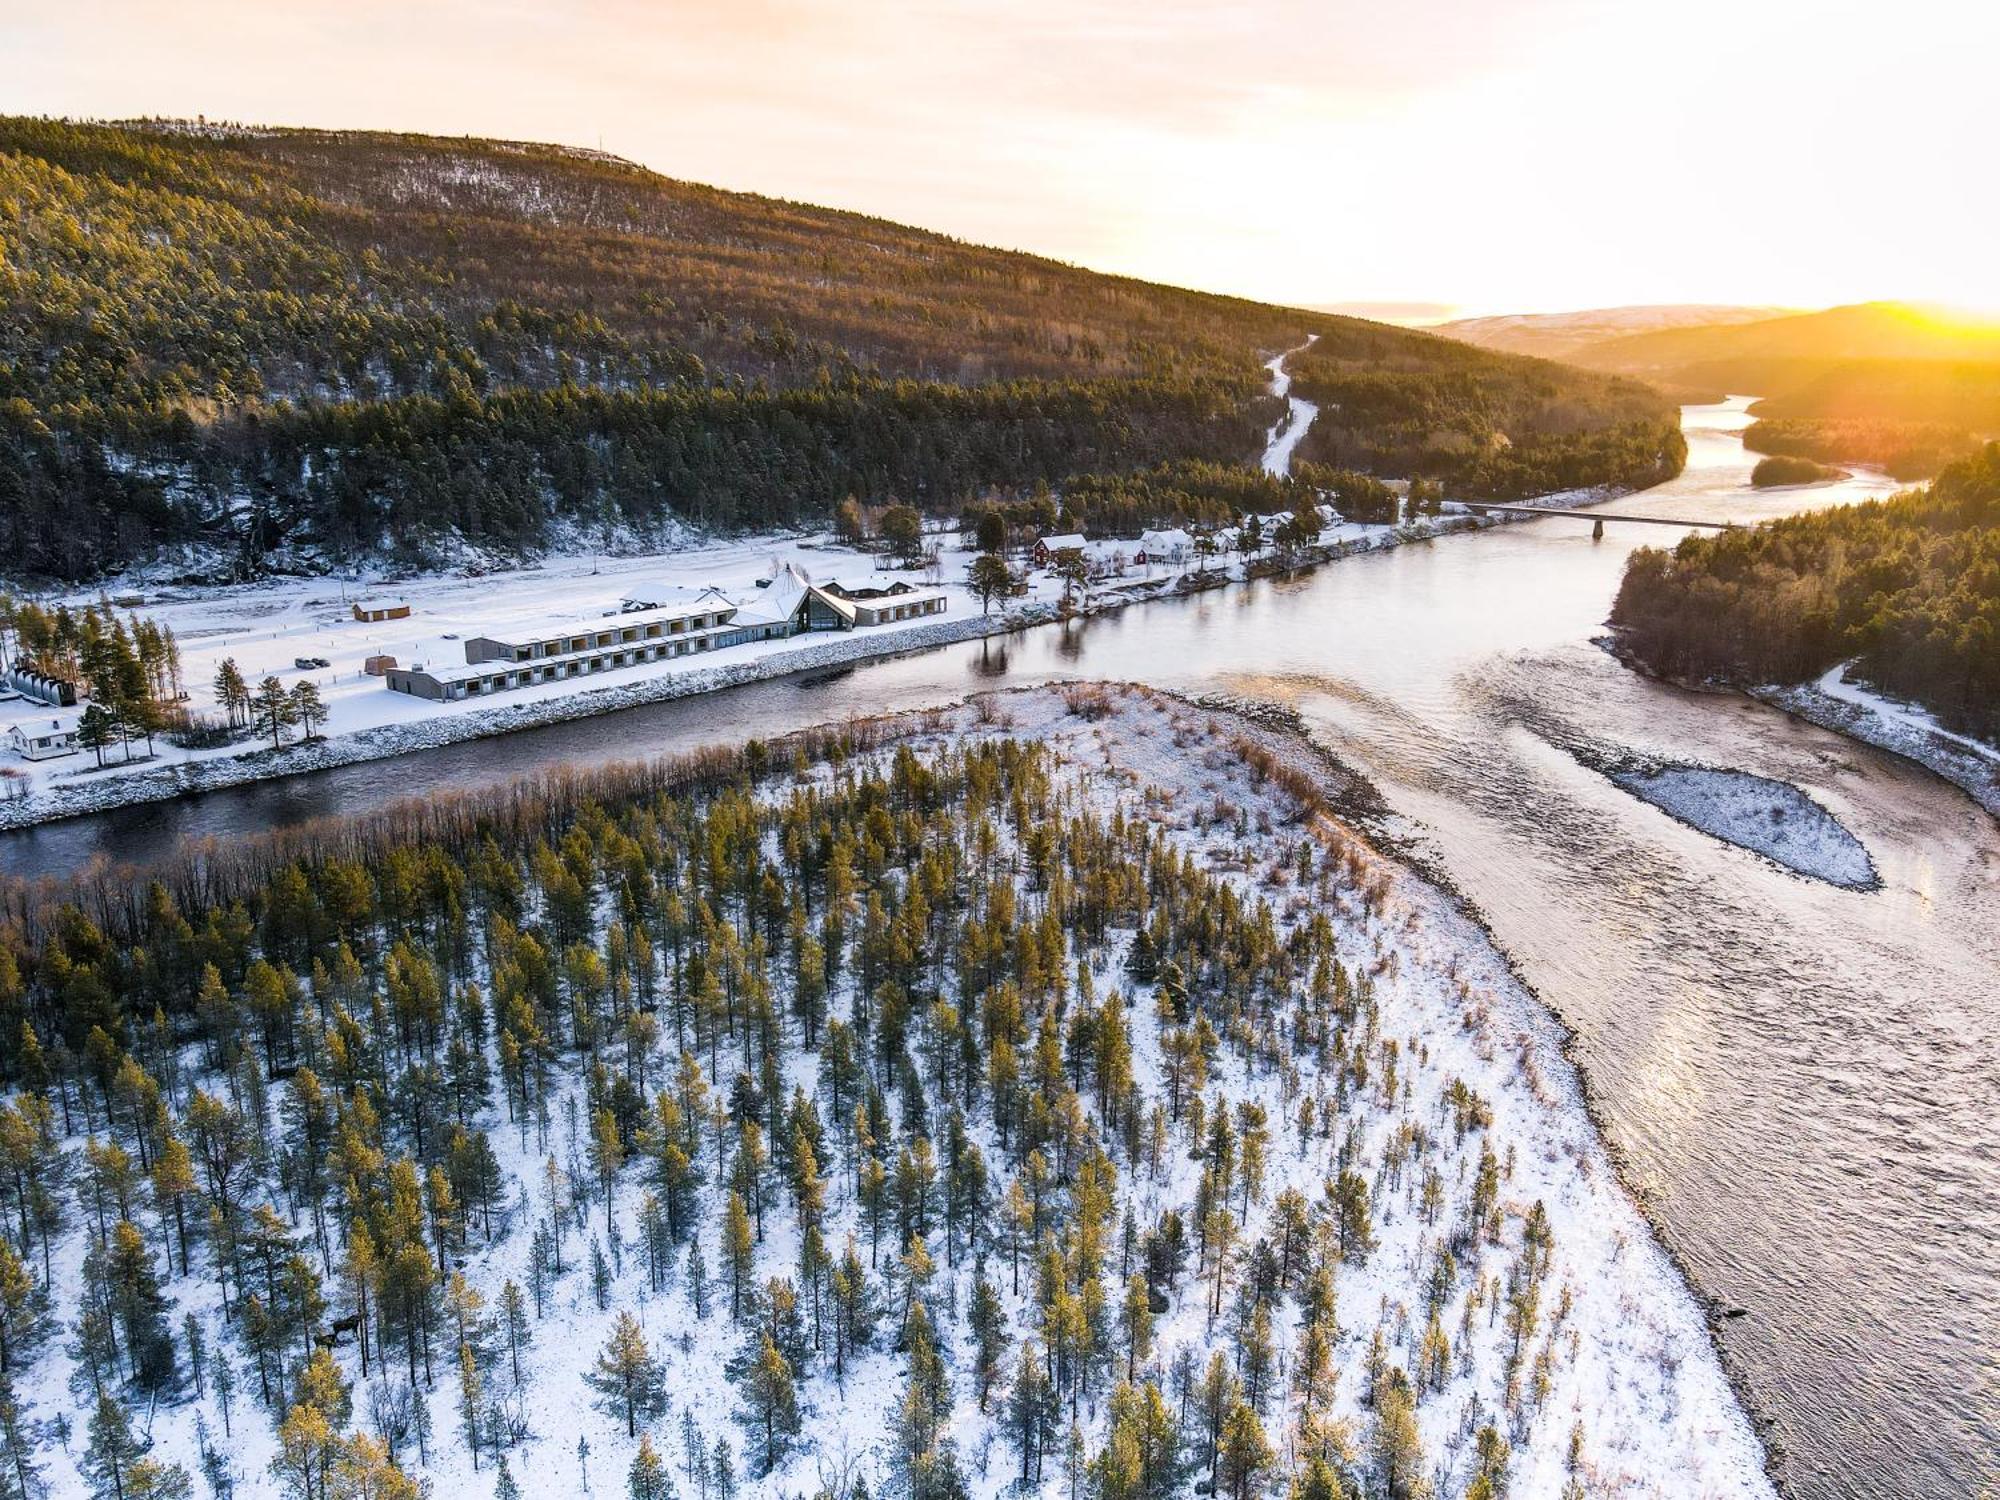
(1479,507)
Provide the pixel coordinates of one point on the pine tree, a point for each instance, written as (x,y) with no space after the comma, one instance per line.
(647,1479)
(20,1477)
(141,1308)
(504,1487)
(771,1411)
(114,1449)
(232,692)
(470,1392)
(96,729)
(1400,1466)
(989,1333)
(627,1376)
(514,1319)
(308,708)
(272,711)
(21,1321)
(1246,1452)
(738,1249)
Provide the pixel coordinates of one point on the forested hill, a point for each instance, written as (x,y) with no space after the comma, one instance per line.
(1910,586)
(289,346)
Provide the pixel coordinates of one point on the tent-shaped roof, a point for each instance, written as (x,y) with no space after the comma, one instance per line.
(776,602)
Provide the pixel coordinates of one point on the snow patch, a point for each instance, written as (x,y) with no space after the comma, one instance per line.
(1771,818)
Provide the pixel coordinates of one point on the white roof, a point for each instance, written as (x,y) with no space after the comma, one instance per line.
(1067,542)
(655,593)
(36,725)
(1172,536)
(908,596)
(550,626)
(473,671)
(779,600)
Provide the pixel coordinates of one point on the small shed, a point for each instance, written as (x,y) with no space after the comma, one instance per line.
(57,692)
(372,611)
(379,666)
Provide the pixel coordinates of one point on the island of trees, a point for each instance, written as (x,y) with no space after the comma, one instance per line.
(1908,586)
(1784,469)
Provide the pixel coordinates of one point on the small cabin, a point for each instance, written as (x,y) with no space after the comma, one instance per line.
(379,666)
(373,611)
(38,742)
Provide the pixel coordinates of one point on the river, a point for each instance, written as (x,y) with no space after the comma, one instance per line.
(1802,1081)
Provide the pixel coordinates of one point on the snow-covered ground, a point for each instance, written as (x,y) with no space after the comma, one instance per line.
(265,627)
(1284,437)
(1771,818)
(1632,1367)
(1836,702)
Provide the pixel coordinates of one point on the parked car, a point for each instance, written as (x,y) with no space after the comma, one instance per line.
(308,663)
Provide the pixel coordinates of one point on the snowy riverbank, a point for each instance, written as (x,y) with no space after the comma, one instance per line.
(1833,702)
(1614,1385)
(367,722)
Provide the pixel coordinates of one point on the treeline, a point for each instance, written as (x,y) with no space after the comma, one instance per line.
(835,1071)
(1491,426)
(511,471)
(1910,586)
(1905,450)
(1193,494)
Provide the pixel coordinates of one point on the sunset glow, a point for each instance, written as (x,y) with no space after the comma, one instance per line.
(1538,154)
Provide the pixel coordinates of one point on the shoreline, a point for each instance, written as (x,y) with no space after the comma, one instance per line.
(1862,719)
(1358,807)
(109,790)
(1935,749)
(1358,810)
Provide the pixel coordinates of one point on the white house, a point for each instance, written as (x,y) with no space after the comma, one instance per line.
(1172,545)
(36,741)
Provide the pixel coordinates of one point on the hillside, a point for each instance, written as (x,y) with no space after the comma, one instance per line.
(1491,426)
(1873,331)
(277,348)
(1561,335)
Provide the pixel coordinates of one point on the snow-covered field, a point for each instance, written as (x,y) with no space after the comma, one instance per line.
(1835,702)
(263,627)
(1631,1367)
(1771,818)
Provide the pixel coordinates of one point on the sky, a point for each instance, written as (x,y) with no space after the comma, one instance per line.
(1476,155)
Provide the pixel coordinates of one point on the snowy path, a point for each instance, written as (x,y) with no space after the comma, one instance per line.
(1298,417)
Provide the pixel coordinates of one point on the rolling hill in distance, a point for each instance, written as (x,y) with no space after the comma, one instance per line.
(261,349)
(1564,334)
(1902,386)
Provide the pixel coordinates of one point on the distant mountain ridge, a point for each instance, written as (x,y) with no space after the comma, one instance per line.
(1900,386)
(1862,331)
(1561,336)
